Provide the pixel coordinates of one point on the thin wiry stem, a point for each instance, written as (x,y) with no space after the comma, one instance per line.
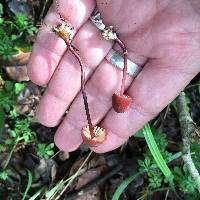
(125,53)
(83,89)
(65,35)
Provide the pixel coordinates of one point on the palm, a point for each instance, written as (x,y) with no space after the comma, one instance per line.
(163,35)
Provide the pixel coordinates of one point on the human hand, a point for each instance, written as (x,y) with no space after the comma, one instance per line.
(164,36)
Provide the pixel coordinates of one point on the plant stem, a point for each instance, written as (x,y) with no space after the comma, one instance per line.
(187,130)
(125,53)
(94,183)
(10,155)
(74,176)
(83,89)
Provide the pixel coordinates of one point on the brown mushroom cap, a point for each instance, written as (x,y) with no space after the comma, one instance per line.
(100,136)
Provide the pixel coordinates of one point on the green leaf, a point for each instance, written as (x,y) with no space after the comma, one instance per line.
(156,153)
(51,145)
(120,189)
(155,180)
(147,162)
(45,150)
(141,163)
(8,141)
(26,138)
(50,152)
(1,9)
(13,37)
(5,174)
(30,178)
(1,21)
(13,113)
(18,88)
(13,133)
(184,180)
(20,19)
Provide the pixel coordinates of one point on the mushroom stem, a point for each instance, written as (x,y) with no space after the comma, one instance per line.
(120,101)
(74,52)
(63,30)
(125,53)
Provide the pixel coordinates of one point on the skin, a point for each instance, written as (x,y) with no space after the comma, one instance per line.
(162,35)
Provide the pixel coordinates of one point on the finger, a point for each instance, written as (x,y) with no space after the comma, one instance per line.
(156,86)
(65,83)
(99,88)
(128,16)
(48,48)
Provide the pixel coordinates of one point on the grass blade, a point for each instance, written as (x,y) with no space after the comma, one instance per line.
(37,194)
(30,178)
(123,185)
(156,152)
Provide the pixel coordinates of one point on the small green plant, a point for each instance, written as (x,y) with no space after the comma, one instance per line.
(45,150)
(151,166)
(24,25)
(14,33)
(8,95)
(156,179)
(5,174)
(9,92)
(184,181)
(22,132)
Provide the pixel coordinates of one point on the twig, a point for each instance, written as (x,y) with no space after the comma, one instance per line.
(94,183)
(43,9)
(9,156)
(187,130)
(75,176)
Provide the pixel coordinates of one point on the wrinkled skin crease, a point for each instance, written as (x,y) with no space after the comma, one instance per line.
(163,35)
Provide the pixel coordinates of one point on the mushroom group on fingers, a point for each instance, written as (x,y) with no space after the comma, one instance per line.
(120,101)
(91,135)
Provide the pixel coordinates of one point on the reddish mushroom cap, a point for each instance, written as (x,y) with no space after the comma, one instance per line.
(100,136)
(121,103)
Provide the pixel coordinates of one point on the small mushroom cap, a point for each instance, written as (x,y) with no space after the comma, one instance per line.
(100,136)
(121,103)
(109,34)
(64,31)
